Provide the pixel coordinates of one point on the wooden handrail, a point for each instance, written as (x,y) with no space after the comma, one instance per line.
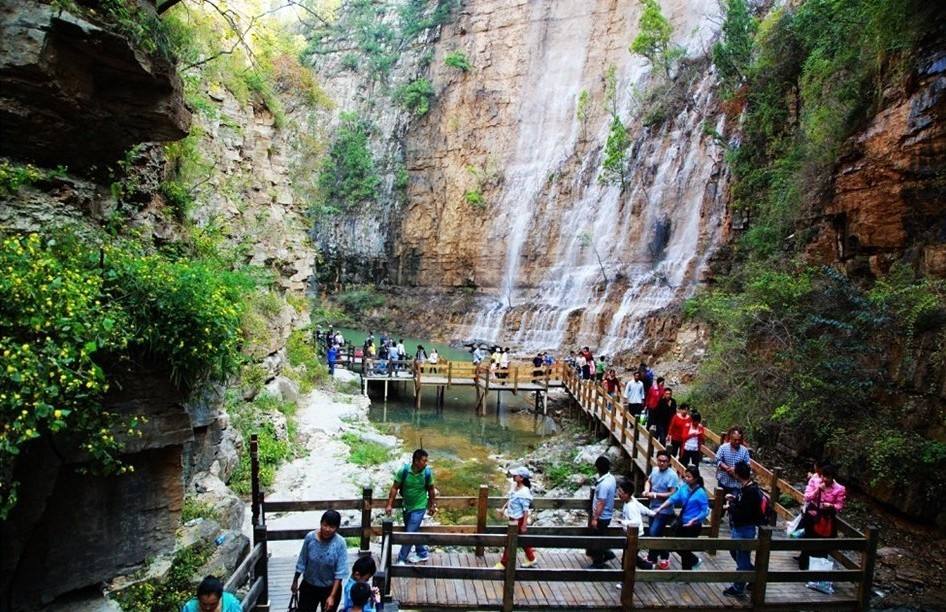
(243,570)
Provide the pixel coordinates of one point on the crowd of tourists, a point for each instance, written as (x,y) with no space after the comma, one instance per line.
(322,579)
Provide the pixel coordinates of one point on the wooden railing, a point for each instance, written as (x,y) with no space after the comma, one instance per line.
(629,576)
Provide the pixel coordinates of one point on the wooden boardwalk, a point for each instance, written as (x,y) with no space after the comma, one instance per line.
(460,574)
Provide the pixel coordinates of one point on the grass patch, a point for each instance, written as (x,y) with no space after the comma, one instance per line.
(249,418)
(306,368)
(559,474)
(365,452)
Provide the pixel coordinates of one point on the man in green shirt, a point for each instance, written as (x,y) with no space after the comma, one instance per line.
(416,484)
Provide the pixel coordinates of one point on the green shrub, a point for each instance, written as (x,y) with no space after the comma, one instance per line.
(415,96)
(194,509)
(73,310)
(273,452)
(358,301)
(615,154)
(458,60)
(559,473)
(308,369)
(178,586)
(348,178)
(474,197)
(14,176)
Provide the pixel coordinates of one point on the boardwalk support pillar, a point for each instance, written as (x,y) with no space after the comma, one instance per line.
(387,530)
(630,567)
(481,509)
(366,494)
(716,515)
(867,565)
(254,479)
(261,570)
(509,580)
(761,566)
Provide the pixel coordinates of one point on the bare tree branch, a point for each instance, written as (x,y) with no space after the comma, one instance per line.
(164,6)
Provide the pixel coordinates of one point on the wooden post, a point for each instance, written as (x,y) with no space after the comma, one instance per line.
(649,461)
(623,425)
(365,521)
(261,570)
(716,514)
(761,567)
(872,533)
(481,510)
(254,479)
(637,436)
(630,568)
(387,530)
(449,373)
(545,403)
(515,380)
(418,385)
(548,371)
(509,581)
(774,494)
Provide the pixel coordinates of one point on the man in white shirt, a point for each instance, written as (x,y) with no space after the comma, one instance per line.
(634,395)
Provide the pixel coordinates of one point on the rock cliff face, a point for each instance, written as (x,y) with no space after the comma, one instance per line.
(888,192)
(554,255)
(77,93)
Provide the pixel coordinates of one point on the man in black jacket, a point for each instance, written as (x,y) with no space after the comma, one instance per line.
(745,515)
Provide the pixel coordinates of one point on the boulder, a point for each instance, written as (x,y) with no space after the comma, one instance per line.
(225,503)
(282,388)
(196,531)
(232,547)
(227,457)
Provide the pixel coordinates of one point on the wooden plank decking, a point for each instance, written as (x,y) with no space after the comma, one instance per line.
(448,594)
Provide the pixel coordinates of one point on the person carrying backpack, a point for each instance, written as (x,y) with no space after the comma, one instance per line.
(416,484)
(746,513)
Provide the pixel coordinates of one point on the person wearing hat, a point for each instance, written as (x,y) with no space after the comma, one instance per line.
(517,509)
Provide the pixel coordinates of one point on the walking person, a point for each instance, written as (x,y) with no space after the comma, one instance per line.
(825,498)
(693,440)
(661,484)
(212,598)
(322,564)
(602,511)
(663,413)
(745,515)
(331,356)
(652,399)
(634,395)
(416,484)
(678,429)
(632,516)
(728,455)
(695,502)
(517,508)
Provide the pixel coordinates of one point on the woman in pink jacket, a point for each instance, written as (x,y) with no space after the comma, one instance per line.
(825,498)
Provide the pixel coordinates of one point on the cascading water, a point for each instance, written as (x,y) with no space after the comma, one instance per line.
(590,269)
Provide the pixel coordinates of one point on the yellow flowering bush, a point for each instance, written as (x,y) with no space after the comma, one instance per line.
(69,309)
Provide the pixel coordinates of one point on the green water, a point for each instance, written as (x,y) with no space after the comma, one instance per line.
(450,353)
(462,445)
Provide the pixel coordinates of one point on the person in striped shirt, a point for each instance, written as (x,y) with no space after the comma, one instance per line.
(729,454)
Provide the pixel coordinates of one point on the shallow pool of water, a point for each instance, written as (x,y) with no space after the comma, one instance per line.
(357,337)
(463,446)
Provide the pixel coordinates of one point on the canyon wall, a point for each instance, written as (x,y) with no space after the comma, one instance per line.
(77,93)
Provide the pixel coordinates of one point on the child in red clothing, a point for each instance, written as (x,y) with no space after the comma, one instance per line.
(678,430)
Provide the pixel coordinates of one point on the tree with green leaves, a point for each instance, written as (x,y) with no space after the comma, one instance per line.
(416,96)
(582,110)
(733,52)
(349,177)
(615,154)
(653,38)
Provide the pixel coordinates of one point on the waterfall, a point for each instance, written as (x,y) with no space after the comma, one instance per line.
(585,263)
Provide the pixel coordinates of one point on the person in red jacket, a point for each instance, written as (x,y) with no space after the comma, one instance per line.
(678,430)
(654,394)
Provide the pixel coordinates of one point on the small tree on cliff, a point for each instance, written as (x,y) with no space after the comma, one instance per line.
(733,52)
(348,177)
(615,153)
(653,38)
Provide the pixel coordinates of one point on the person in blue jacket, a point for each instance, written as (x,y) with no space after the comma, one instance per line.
(212,598)
(331,356)
(695,504)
